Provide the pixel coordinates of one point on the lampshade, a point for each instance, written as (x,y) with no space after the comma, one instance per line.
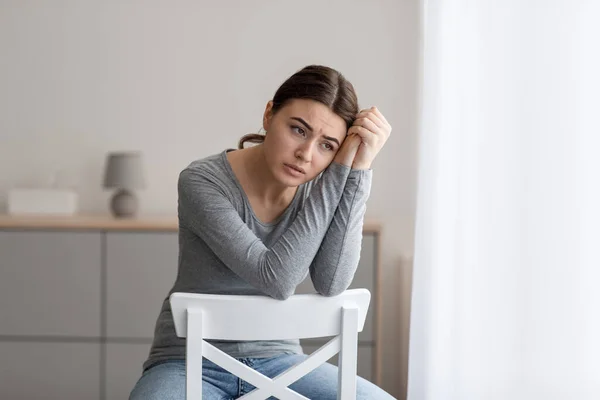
(124,170)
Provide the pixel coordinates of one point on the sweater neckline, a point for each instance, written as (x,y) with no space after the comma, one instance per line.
(247,201)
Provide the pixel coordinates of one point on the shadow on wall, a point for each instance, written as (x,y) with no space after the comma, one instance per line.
(397,286)
(404,296)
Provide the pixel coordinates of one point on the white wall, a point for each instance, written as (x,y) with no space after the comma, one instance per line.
(180,80)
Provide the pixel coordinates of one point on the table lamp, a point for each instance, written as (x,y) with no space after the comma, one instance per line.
(124,171)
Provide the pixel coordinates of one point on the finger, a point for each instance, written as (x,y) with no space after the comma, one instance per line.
(366,135)
(365,122)
(354,142)
(372,116)
(364,111)
(350,138)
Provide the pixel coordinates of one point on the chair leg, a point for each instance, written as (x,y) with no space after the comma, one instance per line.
(193,375)
(348,354)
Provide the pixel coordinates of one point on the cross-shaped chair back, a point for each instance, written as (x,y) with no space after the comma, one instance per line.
(224,317)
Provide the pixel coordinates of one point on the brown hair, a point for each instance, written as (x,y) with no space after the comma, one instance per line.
(319,83)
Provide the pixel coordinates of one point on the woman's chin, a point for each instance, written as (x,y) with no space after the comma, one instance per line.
(290,181)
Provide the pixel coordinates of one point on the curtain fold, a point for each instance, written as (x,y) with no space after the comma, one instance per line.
(506,280)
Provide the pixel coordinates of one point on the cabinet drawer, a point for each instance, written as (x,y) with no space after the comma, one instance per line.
(141,269)
(50,283)
(124,367)
(65,371)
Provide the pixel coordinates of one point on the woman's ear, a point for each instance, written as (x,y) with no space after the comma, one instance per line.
(268,115)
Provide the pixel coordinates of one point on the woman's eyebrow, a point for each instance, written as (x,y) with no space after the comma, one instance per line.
(304,122)
(332,139)
(311,129)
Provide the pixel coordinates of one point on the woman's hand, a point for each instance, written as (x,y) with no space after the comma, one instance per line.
(347,152)
(373,129)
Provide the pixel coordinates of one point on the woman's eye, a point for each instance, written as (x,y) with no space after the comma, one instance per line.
(298,130)
(327,146)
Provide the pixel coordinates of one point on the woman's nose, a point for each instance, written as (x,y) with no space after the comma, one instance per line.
(304,153)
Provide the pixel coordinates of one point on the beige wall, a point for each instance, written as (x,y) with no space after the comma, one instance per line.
(180,80)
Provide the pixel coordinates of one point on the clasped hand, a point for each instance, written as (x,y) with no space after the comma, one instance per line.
(364,140)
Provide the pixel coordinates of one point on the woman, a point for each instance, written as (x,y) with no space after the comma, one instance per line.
(259,219)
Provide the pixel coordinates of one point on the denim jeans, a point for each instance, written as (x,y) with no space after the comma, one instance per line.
(166,381)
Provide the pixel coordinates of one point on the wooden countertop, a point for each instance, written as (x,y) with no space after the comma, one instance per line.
(108,223)
(89,222)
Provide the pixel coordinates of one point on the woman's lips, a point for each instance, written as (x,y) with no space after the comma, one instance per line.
(294,170)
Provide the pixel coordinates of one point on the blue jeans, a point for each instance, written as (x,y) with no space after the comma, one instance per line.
(166,381)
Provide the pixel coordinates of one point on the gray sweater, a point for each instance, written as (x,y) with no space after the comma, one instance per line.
(225,249)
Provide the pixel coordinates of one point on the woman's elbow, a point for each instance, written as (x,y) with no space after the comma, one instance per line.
(281,293)
(330,290)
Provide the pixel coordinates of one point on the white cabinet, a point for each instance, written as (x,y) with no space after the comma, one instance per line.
(123,367)
(79,303)
(44,370)
(141,268)
(50,284)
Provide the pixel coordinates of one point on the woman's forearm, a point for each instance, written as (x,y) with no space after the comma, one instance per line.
(334,265)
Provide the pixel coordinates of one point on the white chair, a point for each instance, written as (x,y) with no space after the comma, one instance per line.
(224,317)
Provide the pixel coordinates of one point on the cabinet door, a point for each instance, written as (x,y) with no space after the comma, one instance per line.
(363,278)
(124,367)
(141,269)
(50,283)
(65,371)
(364,368)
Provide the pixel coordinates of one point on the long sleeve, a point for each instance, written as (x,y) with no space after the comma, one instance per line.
(333,268)
(205,210)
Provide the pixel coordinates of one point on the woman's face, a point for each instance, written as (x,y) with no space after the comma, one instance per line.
(302,140)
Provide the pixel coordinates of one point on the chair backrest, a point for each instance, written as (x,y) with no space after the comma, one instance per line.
(224,317)
(227,317)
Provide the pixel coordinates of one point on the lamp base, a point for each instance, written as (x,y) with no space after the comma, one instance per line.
(124,204)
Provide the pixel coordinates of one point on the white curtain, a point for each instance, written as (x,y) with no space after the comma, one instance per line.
(506,281)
